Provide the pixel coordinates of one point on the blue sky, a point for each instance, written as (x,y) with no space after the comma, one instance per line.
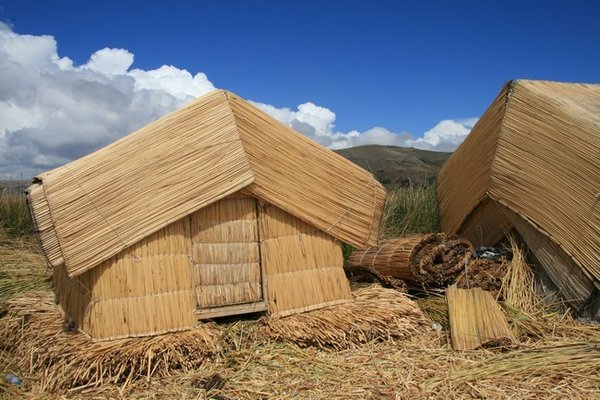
(400,66)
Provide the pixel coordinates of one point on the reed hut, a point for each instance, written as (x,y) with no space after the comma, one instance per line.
(215,209)
(532,163)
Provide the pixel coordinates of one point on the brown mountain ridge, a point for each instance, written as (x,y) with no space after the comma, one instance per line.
(393,165)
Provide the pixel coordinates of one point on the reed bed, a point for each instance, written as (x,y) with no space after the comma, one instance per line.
(14,214)
(375,314)
(409,210)
(22,269)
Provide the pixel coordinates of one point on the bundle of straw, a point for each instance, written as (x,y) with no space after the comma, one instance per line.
(476,320)
(430,260)
(34,332)
(376,314)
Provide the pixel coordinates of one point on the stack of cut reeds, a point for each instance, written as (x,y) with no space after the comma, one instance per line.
(376,314)
(476,320)
(33,331)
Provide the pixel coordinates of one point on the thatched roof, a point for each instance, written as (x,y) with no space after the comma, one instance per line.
(533,162)
(92,208)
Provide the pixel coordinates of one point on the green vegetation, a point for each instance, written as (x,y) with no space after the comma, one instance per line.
(410,209)
(14,214)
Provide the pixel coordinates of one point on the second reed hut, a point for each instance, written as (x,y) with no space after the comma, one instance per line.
(216,209)
(532,163)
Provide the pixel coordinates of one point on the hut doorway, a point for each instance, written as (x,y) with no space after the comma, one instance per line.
(227,275)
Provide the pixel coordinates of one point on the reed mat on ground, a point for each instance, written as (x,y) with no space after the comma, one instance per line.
(476,320)
(558,361)
(375,314)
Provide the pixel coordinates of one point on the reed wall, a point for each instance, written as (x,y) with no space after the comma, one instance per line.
(302,266)
(210,259)
(144,290)
(486,225)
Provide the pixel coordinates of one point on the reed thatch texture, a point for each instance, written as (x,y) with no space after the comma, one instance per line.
(116,196)
(544,140)
(433,259)
(476,320)
(43,225)
(307,180)
(91,209)
(302,266)
(472,173)
(33,331)
(376,314)
(225,253)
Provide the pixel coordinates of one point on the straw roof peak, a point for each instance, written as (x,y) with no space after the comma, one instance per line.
(92,208)
(535,156)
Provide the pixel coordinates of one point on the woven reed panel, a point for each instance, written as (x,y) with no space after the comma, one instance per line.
(226,253)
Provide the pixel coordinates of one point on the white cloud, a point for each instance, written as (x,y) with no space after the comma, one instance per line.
(445,136)
(110,62)
(52,111)
(318,123)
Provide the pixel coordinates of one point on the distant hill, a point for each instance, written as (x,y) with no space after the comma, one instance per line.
(394,165)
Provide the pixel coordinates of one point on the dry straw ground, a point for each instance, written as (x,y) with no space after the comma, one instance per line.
(385,350)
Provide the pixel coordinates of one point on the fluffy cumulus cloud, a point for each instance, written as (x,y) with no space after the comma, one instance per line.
(318,123)
(53,111)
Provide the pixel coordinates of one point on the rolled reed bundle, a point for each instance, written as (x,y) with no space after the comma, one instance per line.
(430,260)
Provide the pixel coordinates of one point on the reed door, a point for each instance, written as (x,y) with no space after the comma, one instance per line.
(226,255)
